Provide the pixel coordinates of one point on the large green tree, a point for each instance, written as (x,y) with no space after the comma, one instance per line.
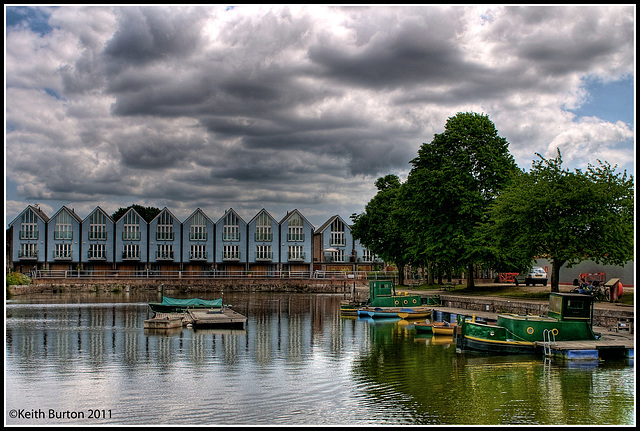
(565,216)
(381,226)
(451,184)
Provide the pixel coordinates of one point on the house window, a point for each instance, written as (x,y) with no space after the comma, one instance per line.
(231,252)
(296,252)
(263,228)
(164,231)
(62,251)
(164,251)
(198,229)
(337,233)
(131,228)
(63,227)
(97,251)
(29,225)
(131,251)
(231,229)
(263,252)
(367,256)
(198,252)
(295,231)
(337,256)
(29,251)
(98,226)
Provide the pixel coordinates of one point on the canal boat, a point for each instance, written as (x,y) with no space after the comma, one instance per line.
(403,313)
(569,318)
(173,305)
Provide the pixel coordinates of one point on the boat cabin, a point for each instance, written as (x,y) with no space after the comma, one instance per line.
(382,294)
(570,306)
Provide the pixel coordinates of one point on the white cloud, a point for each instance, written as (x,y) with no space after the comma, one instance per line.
(292,107)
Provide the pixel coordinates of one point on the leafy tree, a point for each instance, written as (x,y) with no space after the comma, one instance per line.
(381,226)
(147,213)
(565,216)
(452,182)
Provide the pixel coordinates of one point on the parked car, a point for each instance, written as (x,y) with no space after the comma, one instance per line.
(537,275)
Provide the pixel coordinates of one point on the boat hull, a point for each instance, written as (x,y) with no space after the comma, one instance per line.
(403,313)
(520,334)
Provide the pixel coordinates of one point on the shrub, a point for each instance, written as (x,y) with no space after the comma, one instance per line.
(17,279)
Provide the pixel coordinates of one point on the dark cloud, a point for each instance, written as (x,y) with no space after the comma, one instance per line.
(288,107)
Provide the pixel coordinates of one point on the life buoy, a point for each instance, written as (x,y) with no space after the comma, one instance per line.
(554,331)
(397,302)
(405,302)
(530,330)
(415,301)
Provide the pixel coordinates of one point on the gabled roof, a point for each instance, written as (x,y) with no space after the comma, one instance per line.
(98,208)
(295,211)
(71,212)
(202,212)
(227,212)
(36,210)
(137,213)
(328,223)
(165,209)
(263,211)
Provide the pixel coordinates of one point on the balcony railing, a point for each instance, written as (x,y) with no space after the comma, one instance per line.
(198,256)
(130,255)
(231,256)
(297,257)
(63,256)
(264,256)
(295,237)
(27,256)
(93,255)
(263,237)
(164,255)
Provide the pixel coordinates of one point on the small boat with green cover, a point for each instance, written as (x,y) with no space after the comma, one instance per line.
(173,305)
(569,318)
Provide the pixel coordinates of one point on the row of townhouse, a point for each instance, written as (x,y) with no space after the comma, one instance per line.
(196,245)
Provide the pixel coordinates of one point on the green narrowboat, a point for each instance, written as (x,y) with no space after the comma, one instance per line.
(569,318)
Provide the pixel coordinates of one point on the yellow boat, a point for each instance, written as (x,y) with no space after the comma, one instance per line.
(443,328)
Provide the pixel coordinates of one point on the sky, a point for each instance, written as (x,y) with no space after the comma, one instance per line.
(296,107)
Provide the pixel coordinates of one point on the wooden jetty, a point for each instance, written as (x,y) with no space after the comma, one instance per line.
(610,345)
(198,318)
(217,318)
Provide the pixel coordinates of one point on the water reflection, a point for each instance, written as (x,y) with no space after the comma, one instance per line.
(297,362)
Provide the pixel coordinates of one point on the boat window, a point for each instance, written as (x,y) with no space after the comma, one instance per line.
(575,304)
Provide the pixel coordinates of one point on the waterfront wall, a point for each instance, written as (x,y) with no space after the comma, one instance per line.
(185,286)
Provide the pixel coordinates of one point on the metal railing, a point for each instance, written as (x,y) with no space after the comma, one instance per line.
(213,274)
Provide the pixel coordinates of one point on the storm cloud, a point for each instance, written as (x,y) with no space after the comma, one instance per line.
(284,107)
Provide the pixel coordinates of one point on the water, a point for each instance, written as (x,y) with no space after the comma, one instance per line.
(88,360)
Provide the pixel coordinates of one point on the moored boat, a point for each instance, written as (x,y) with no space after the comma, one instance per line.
(423,327)
(569,319)
(444,328)
(403,313)
(173,305)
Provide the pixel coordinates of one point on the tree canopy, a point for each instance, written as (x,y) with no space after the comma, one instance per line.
(466,203)
(147,213)
(453,181)
(381,226)
(565,216)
